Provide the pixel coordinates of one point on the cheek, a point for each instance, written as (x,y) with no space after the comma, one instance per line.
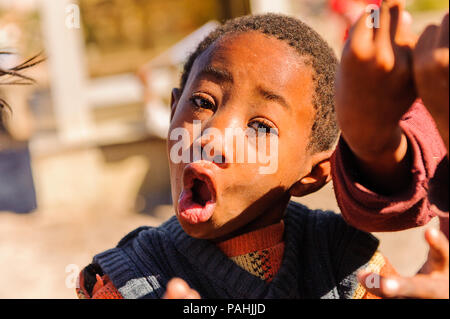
(246,185)
(181,115)
(292,159)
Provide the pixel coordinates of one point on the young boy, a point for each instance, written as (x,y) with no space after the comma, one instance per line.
(236,234)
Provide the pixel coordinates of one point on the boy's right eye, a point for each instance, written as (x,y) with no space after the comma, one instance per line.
(203,101)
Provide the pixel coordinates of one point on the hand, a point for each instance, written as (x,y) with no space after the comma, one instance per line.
(432,281)
(374,84)
(431,72)
(177,288)
(374,88)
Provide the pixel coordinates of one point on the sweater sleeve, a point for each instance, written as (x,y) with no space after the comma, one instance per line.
(424,198)
(94,284)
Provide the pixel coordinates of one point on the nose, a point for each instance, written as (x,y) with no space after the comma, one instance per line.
(212,144)
(212,147)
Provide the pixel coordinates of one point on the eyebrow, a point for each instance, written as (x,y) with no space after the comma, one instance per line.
(220,74)
(271,96)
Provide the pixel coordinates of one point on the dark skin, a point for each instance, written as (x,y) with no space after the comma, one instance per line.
(381,74)
(247,200)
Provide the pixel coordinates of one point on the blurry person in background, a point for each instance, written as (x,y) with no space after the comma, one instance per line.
(349,11)
(19,126)
(17,192)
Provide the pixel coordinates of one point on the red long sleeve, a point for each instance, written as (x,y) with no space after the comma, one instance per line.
(426,196)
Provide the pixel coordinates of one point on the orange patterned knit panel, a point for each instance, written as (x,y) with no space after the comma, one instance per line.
(264,263)
(259,252)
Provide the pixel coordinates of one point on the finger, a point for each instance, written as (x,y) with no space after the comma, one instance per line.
(439,251)
(400,3)
(193,294)
(425,43)
(419,286)
(378,285)
(361,38)
(385,36)
(177,289)
(405,35)
(390,14)
(443,41)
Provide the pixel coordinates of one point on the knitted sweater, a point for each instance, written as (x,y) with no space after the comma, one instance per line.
(259,252)
(322,255)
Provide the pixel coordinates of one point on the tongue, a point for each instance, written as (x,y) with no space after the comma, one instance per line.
(193,212)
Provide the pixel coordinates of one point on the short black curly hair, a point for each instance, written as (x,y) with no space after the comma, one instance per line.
(308,43)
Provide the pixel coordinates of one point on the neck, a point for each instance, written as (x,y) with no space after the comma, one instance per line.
(267,218)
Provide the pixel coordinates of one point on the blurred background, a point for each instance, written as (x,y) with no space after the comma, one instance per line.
(82,151)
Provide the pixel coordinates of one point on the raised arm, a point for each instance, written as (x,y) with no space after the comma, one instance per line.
(390,155)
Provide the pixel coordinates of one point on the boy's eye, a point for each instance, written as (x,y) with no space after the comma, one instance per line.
(263,127)
(203,102)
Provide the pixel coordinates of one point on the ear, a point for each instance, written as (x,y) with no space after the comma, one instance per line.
(318,177)
(174,98)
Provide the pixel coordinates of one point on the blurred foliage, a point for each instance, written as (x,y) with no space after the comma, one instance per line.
(122,34)
(427,5)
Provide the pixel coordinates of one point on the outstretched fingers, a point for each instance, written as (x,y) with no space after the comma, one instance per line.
(417,287)
(177,288)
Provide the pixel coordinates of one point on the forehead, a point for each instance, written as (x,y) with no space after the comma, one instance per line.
(259,59)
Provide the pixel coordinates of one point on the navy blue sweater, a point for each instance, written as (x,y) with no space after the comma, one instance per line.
(322,255)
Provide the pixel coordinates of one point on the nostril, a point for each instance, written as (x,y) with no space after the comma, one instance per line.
(213,156)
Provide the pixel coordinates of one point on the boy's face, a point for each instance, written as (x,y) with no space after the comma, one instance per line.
(245,81)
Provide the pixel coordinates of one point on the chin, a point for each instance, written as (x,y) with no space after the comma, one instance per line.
(198,231)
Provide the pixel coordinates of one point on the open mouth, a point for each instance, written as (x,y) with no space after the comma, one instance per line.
(198,199)
(200,192)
